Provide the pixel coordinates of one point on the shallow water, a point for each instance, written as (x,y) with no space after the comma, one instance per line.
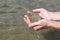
(12,26)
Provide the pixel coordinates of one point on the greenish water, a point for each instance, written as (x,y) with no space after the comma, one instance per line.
(12,26)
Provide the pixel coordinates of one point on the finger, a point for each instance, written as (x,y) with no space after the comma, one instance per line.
(37,10)
(34,24)
(29,23)
(42,22)
(42,16)
(29,12)
(26,19)
(37,27)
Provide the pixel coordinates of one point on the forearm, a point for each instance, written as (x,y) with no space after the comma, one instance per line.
(55,15)
(54,24)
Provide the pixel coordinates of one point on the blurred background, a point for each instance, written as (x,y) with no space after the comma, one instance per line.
(12,26)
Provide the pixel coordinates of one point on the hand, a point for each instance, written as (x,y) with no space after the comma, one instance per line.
(45,22)
(42,13)
(36,25)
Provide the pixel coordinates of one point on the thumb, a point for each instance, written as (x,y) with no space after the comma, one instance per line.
(36,10)
(42,16)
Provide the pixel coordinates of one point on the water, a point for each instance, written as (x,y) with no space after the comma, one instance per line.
(12,26)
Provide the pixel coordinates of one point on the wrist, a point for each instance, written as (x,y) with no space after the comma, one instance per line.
(51,15)
(54,15)
(49,24)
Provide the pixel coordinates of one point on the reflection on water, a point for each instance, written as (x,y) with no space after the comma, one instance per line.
(12,26)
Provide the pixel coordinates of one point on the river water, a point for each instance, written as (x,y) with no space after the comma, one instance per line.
(12,26)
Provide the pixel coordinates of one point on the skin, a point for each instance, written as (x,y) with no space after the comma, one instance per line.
(46,22)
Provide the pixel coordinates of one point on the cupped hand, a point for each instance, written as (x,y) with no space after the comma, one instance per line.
(43,13)
(36,25)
